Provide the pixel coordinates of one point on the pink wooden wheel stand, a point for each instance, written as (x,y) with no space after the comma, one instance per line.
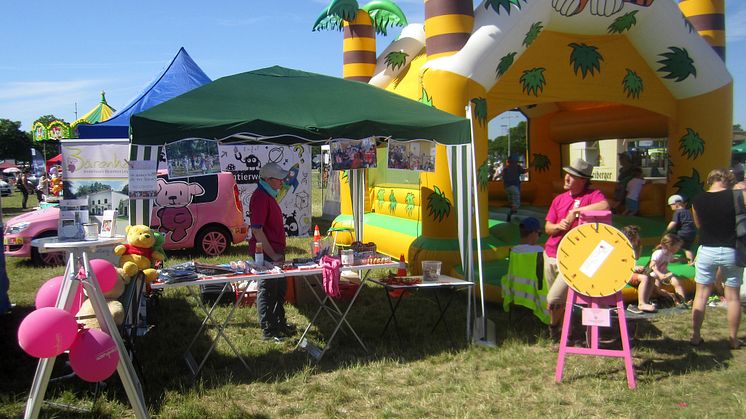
(595,302)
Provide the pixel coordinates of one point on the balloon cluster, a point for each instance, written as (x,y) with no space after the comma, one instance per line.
(49,331)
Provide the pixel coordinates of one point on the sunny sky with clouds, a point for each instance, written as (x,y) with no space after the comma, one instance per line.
(59,55)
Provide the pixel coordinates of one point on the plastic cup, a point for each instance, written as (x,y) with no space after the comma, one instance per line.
(431,270)
(348,257)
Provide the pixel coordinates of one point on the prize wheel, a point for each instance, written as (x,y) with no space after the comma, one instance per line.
(596,259)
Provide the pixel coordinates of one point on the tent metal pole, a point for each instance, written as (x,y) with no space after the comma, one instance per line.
(475,191)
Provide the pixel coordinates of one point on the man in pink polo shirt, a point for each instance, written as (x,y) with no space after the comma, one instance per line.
(562,217)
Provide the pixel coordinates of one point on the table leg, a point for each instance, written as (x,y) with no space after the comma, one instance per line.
(343,320)
(189,358)
(334,313)
(322,306)
(443,313)
(392,317)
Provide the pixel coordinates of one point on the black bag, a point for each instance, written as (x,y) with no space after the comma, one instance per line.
(210,293)
(740,227)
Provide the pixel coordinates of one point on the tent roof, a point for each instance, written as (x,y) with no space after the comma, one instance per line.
(99,113)
(286,104)
(181,75)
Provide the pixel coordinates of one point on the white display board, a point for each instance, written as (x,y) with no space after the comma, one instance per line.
(245,161)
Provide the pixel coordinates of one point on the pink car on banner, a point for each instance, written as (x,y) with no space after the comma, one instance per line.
(203,212)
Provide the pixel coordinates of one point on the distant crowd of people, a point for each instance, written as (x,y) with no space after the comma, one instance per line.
(41,187)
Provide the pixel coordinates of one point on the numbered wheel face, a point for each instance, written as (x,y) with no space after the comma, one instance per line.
(596,259)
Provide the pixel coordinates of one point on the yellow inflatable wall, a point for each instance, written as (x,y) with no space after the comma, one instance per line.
(579,71)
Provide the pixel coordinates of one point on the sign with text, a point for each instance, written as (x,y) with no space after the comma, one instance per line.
(142,179)
(90,166)
(596,317)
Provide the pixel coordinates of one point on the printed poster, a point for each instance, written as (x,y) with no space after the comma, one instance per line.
(96,170)
(353,154)
(192,157)
(245,162)
(418,155)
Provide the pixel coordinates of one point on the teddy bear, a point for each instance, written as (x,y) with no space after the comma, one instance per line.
(141,252)
(87,317)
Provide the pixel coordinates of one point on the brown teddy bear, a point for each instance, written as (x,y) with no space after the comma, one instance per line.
(87,317)
(139,253)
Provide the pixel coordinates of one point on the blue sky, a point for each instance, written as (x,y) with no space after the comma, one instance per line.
(57,54)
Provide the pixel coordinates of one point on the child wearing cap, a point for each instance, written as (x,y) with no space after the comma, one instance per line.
(682,224)
(530,229)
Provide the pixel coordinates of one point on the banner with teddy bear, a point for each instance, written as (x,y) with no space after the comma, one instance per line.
(245,161)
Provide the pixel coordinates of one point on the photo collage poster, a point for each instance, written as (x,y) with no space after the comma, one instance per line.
(349,154)
(417,155)
(294,198)
(192,157)
(96,170)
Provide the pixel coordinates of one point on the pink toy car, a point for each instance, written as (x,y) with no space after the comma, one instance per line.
(203,212)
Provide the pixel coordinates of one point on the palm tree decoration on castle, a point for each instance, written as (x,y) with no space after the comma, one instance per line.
(360,25)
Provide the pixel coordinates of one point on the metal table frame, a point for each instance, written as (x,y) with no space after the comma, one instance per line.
(326,304)
(444,282)
(194,367)
(330,306)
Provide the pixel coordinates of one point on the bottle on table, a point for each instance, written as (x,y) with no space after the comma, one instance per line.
(259,254)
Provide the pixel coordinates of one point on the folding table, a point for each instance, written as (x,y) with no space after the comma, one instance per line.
(330,306)
(226,281)
(443,282)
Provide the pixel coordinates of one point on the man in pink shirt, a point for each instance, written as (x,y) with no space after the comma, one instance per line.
(267,228)
(562,217)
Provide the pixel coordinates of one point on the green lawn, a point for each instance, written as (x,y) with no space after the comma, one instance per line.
(424,375)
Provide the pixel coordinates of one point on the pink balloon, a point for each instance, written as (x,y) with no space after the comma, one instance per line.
(46,296)
(93,355)
(47,332)
(106,274)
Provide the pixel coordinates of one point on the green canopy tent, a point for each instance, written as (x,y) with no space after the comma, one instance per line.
(284,106)
(290,107)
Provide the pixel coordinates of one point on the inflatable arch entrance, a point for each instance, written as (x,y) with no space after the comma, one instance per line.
(578,69)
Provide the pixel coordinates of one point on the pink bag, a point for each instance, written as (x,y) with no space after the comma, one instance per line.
(330,274)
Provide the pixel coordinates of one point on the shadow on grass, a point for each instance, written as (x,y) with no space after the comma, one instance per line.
(177,319)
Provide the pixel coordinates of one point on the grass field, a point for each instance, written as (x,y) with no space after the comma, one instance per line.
(423,375)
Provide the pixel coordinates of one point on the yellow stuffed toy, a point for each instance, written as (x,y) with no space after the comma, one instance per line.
(140,252)
(87,317)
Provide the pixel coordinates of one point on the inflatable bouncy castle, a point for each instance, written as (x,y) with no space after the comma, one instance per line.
(579,70)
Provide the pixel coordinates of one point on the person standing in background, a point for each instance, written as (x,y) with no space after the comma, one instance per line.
(512,183)
(634,188)
(25,186)
(715,216)
(43,188)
